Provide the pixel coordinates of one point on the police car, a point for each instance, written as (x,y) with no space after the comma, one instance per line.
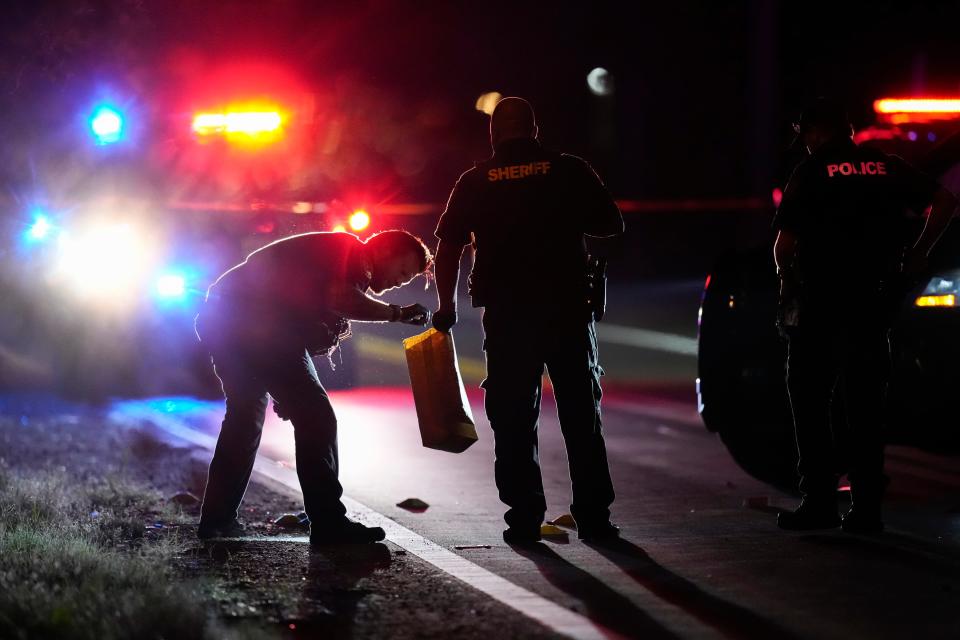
(107,250)
(741,385)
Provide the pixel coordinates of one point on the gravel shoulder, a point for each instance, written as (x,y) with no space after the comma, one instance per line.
(270,581)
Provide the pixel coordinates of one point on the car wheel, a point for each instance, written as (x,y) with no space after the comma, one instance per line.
(741,358)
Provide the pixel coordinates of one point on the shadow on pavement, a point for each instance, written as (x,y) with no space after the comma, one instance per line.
(330,588)
(893,547)
(311,592)
(728,618)
(604,605)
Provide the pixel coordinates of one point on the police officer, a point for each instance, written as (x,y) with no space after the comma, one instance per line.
(839,250)
(526,211)
(261,323)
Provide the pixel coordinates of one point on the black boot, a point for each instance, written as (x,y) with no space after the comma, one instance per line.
(229,529)
(598,532)
(522,536)
(345,532)
(813,513)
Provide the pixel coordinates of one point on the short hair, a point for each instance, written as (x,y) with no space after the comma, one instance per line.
(513,118)
(395,241)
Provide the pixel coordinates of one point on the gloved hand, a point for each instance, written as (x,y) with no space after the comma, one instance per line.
(414,314)
(444,320)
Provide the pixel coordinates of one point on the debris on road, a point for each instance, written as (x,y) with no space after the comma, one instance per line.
(184,499)
(414,504)
(566,520)
(466,547)
(290,521)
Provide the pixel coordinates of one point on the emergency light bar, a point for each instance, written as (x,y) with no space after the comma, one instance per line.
(902,110)
(917,105)
(246,122)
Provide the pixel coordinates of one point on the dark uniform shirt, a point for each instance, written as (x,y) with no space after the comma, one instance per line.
(847,206)
(279,291)
(526,210)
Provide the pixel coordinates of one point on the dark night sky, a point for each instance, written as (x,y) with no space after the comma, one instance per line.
(704,95)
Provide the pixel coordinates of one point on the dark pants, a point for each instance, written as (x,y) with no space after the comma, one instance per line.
(834,361)
(516,356)
(287,373)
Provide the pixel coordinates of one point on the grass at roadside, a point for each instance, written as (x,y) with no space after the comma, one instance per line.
(75,563)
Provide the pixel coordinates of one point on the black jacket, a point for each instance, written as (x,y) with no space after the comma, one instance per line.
(526,210)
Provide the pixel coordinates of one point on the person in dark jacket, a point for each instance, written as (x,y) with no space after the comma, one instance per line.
(840,250)
(261,323)
(526,211)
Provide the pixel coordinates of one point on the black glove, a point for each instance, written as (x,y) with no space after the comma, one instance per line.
(414,314)
(444,320)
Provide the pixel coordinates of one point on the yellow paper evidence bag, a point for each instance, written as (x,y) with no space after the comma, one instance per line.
(446,422)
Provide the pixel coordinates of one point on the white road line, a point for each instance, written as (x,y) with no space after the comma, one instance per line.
(553,616)
(646,339)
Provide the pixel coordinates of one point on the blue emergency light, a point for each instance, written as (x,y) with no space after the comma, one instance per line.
(171,286)
(40,229)
(106,124)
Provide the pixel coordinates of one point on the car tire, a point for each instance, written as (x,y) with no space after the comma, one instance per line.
(741,385)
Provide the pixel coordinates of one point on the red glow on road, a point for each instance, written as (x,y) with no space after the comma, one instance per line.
(373,424)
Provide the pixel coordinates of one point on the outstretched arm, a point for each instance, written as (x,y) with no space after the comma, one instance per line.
(351,303)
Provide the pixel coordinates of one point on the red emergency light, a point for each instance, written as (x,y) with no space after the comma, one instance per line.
(359,220)
(250,123)
(904,110)
(240,125)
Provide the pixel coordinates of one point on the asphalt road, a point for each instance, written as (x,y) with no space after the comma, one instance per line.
(701,556)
